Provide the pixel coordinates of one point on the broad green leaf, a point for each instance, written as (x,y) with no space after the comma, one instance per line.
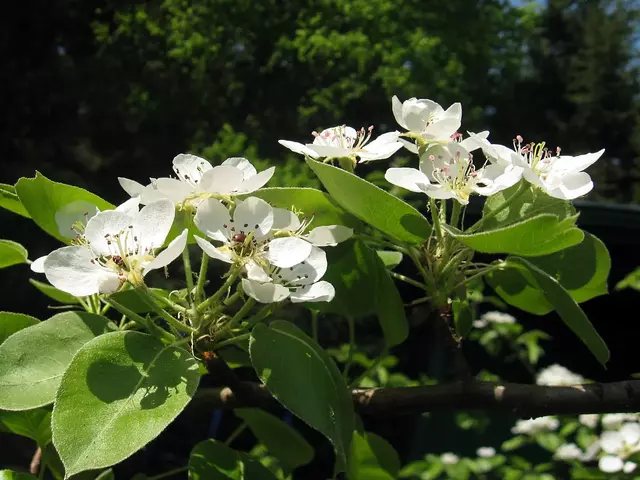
(462,316)
(134,302)
(582,270)
(300,374)
(10,323)
(309,202)
(211,460)
(390,259)
(364,463)
(531,203)
(565,306)
(12,253)
(33,360)
(281,440)
(53,293)
(11,475)
(539,235)
(33,424)
(9,200)
(363,287)
(373,205)
(42,198)
(632,280)
(118,393)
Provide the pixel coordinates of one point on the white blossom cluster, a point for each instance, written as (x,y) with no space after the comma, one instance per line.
(557,375)
(493,317)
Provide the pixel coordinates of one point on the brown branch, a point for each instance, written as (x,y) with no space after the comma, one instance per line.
(36,460)
(523,400)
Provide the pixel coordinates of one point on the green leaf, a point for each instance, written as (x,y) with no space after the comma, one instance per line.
(42,198)
(300,374)
(363,287)
(462,317)
(118,393)
(33,360)
(33,424)
(513,443)
(9,200)
(11,475)
(134,302)
(549,441)
(363,462)
(385,454)
(539,235)
(373,205)
(12,253)
(281,440)
(583,270)
(53,293)
(211,460)
(630,281)
(10,323)
(565,306)
(309,202)
(390,258)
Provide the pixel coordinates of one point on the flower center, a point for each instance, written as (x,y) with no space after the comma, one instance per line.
(342,138)
(458,175)
(537,155)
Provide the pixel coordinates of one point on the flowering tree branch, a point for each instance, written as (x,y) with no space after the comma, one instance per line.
(524,400)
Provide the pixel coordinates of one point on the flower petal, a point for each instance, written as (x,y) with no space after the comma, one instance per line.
(257,181)
(130,207)
(221,179)
(329,150)
(379,151)
(475,141)
(152,224)
(248,170)
(407,178)
(611,441)
(577,163)
(630,433)
(610,464)
(265,292)
(37,265)
(256,272)
(106,224)
(169,254)
(287,252)
(284,219)
(330,235)
(72,213)
(71,270)
(306,272)
(298,148)
(190,168)
(173,189)
(132,187)
(253,214)
(318,292)
(212,251)
(213,218)
(573,185)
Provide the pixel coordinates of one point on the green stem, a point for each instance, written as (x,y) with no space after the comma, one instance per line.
(380,243)
(168,473)
(147,325)
(373,366)
(455,213)
(170,319)
(524,187)
(188,273)
(84,304)
(240,314)
(263,313)
(352,347)
(221,291)
(233,340)
(481,273)
(314,324)
(166,301)
(235,434)
(202,277)
(408,280)
(435,217)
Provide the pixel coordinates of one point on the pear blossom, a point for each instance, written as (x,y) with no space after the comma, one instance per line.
(618,446)
(486,452)
(346,142)
(612,421)
(300,283)
(447,171)
(557,375)
(589,419)
(117,246)
(449,458)
(535,425)
(197,178)
(493,317)
(560,176)
(568,451)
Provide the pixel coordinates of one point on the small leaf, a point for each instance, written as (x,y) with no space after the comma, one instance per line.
(390,258)
(300,374)
(53,293)
(12,253)
(10,323)
(513,443)
(33,360)
(11,475)
(281,440)
(373,205)
(363,462)
(462,317)
(9,200)
(118,393)
(632,280)
(211,460)
(33,424)
(42,198)
(539,235)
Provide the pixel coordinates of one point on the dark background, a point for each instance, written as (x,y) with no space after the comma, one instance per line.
(95,90)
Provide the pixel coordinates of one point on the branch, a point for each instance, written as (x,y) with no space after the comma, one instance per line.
(523,400)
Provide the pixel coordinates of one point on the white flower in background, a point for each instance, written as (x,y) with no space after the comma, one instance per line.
(618,446)
(498,317)
(557,375)
(612,421)
(197,178)
(589,419)
(535,425)
(568,451)
(118,245)
(486,452)
(448,172)
(449,458)
(560,176)
(300,283)
(343,141)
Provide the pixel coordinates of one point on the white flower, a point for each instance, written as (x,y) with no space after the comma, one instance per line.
(535,425)
(197,178)
(568,451)
(449,458)
(300,283)
(480,323)
(589,419)
(343,141)
(447,171)
(557,375)
(486,452)
(498,317)
(117,246)
(560,176)
(619,445)
(610,464)
(612,421)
